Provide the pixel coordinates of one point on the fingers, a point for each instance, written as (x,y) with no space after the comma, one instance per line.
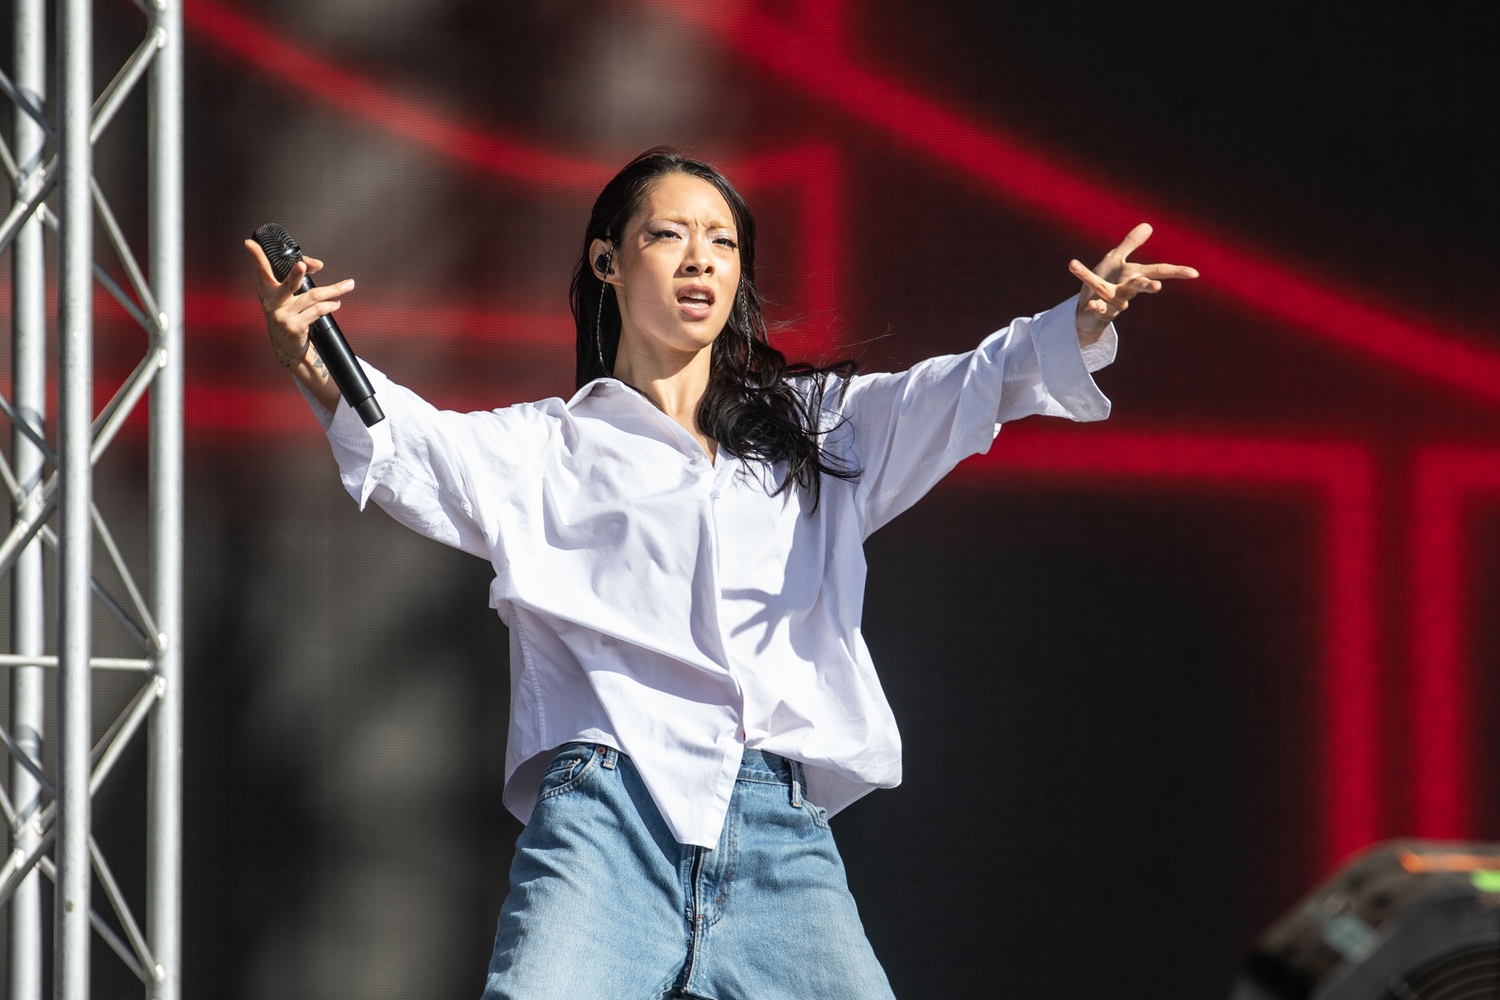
(1091,280)
(299,312)
(262,265)
(1133,239)
(307,317)
(1167,271)
(324,292)
(273,294)
(1104,299)
(293,280)
(314,265)
(1107,294)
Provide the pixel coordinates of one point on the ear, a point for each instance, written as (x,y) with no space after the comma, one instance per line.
(604,248)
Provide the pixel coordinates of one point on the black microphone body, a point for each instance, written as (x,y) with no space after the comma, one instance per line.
(283,252)
(342,365)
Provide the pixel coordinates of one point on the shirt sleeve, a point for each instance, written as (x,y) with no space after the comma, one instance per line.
(438,472)
(910,429)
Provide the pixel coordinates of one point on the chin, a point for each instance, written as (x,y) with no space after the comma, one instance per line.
(696,336)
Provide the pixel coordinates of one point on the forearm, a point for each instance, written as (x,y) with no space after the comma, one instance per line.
(312,372)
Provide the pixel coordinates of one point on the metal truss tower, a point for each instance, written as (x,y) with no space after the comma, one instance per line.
(49,816)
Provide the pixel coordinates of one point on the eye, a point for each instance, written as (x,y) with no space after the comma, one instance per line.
(664,233)
(727,241)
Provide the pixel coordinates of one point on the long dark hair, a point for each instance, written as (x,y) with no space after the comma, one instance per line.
(751,407)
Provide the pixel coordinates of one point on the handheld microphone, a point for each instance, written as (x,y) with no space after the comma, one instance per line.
(283,252)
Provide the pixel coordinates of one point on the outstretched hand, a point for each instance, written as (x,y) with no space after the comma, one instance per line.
(291,312)
(1114,281)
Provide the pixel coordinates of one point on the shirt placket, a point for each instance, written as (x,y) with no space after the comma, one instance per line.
(723,473)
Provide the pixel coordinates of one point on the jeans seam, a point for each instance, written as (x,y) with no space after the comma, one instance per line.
(731,865)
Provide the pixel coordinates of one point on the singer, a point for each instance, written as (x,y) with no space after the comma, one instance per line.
(678,553)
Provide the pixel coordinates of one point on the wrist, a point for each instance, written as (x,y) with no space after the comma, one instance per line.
(291,356)
(309,367)
(1088,336)
(311,371)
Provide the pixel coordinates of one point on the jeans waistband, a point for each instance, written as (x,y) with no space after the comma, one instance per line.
(755,765)
(759,765)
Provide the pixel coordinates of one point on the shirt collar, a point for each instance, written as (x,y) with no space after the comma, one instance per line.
(604,384)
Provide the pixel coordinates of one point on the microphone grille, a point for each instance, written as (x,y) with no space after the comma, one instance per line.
(281,250)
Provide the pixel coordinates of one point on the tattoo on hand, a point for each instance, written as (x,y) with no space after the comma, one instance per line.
(289,357)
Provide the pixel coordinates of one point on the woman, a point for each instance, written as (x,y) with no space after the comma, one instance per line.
(678,556)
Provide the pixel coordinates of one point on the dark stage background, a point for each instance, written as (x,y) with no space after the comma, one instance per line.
(1154,676)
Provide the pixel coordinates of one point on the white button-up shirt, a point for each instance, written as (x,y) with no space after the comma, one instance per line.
(668,605)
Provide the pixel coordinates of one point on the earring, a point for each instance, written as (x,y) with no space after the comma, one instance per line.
(602,264)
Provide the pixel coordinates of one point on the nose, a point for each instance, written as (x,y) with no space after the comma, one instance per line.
(697,260)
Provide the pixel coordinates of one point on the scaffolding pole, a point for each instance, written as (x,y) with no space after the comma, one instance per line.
(75,380)
(164,782)
(53,813)
(29,391)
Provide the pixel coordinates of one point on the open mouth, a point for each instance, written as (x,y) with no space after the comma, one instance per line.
(696,300)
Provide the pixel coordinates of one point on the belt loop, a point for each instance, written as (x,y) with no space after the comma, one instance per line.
(795,767)
(610,756)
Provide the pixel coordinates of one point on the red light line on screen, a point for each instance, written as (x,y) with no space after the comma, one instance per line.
(1343,479)
(222,313)
(488,149)
(1008,166)
(1443,481)
(812,169)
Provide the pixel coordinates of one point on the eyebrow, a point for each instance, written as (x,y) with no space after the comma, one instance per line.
(684,220)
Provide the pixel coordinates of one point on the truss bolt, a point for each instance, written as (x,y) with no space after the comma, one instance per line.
(159,974)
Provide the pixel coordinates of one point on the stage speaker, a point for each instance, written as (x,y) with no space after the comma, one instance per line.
(1404,920)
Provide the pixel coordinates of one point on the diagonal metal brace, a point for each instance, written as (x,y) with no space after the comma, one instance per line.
(152,634)
(24,103)
(110,419)
(127,259)
(125,80)
(33,512)
(20,862)
(117,901)
(21,210)
(107,752)
(24,759)
(151,326)
(24,426)
(12,169)
(112,939)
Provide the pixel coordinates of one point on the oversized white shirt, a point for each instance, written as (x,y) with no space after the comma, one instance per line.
(668,605)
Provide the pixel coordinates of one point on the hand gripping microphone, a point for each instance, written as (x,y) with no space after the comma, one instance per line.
(283,252)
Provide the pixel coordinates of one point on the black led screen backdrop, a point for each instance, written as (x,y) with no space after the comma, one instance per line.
(1154,675)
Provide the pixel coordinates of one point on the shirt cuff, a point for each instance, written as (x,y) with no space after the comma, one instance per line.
(1066,368)
(364,453)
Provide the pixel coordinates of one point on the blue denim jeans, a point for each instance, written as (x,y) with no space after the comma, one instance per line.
(605,905)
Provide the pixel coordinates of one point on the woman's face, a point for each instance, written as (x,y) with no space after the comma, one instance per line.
(677,269)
